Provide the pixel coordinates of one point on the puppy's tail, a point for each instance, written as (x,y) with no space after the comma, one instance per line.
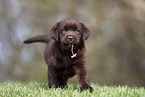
(39,38)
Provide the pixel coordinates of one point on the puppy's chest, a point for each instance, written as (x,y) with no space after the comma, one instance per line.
(64,61)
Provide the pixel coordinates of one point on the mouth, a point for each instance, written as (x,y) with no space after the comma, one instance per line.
(66,44)
(71,47)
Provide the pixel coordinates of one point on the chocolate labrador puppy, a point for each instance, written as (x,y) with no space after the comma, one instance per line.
(65,53)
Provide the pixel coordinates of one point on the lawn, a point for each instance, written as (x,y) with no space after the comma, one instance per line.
(34,89)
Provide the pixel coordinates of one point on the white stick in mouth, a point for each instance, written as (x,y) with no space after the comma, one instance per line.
(73,55)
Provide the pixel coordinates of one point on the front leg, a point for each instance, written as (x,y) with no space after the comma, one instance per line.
(56,79)
(53,78)
(82,74)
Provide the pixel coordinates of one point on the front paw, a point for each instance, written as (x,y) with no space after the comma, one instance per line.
(87,88)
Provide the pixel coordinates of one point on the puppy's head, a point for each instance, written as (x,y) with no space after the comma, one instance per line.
(69,31)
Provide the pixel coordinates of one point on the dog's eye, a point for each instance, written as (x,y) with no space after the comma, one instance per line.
(62,30)
(78,30)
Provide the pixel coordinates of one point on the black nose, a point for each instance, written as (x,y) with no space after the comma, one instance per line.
(70,38)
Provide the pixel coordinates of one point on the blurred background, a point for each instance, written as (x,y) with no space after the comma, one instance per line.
(115,49)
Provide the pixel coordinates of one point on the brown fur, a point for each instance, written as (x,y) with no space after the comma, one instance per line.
(58,53)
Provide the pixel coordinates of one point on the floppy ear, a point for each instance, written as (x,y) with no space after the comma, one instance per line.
(86,31)
(54,31)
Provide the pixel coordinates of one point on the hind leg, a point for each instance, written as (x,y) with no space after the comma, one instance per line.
(68,73)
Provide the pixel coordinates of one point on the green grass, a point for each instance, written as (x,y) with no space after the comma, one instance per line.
(34,89)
